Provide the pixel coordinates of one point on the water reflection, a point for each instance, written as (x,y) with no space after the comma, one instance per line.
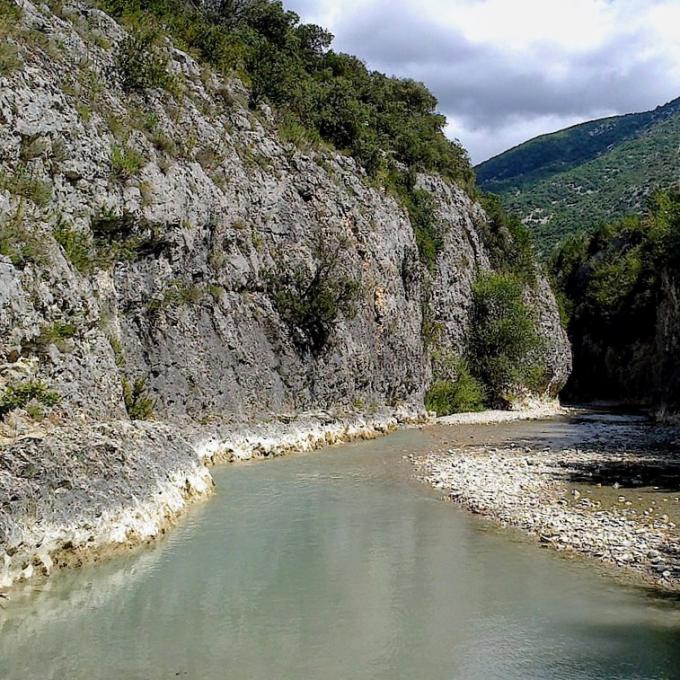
(336,566)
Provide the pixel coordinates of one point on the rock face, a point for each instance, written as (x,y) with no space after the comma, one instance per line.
(194,205)
(628,349)
(149,237)
(188,306)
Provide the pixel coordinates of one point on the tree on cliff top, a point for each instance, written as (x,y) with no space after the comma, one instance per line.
(377,119)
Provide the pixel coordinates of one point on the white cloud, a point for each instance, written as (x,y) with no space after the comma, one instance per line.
(506,71)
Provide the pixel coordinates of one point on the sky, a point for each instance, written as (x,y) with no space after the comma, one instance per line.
(505,71)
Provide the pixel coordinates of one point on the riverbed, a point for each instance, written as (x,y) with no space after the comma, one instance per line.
(339,564)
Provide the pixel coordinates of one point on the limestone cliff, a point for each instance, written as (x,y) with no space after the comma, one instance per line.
(155,239)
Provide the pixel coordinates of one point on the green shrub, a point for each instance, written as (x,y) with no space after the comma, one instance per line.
(12,244)
(508,242)
(123,237)
(311,303)
(138,402)
(59,330)
(163,142)
(430,328)
(10,13)
(84,111)
(140,62)
(455,389)
(24,183)
(20,245)
(293,131)
(117,349)
(505,345)
(35,411)
(19,395)
(216,292)
(114,240)
(182,293)
(429,239)
(126,162)
(57,333)
(59,151)
(177,293)
(108,225)
(421,210)
(78,247)
(10,61)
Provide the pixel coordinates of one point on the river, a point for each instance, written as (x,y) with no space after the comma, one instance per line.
(338,565)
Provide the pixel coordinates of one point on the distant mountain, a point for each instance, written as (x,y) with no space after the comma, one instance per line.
(579,177)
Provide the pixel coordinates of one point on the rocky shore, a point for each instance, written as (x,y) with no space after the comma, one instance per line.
(613,497)
(535,410)
(100,488)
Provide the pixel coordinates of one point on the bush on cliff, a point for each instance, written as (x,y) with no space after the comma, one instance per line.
(505,346)
(138,402)
(455,389)
(20,244)
(507,240)
(312,303)
(22,394)
(140,63)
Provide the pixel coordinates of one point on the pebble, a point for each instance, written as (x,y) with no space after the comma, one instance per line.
(528,492)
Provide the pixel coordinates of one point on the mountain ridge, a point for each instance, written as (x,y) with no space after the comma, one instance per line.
(564,181)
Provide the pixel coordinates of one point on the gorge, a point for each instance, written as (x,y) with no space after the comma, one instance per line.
(175,274)
(221,241)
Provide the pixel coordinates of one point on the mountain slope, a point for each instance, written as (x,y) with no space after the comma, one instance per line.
(579,177)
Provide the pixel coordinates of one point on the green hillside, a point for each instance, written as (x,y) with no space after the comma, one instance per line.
(579,177)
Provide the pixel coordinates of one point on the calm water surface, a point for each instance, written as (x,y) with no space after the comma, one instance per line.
(338,566)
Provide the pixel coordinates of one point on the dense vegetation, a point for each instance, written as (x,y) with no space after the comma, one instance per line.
(612,284)
(584,176)
(508,242)
(505,346)
(454,388)
(504,358)
(317,93)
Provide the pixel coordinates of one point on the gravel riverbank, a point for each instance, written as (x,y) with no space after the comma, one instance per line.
(540,409)
(613,496)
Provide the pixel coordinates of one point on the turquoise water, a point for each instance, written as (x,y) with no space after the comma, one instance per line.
(335,566)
